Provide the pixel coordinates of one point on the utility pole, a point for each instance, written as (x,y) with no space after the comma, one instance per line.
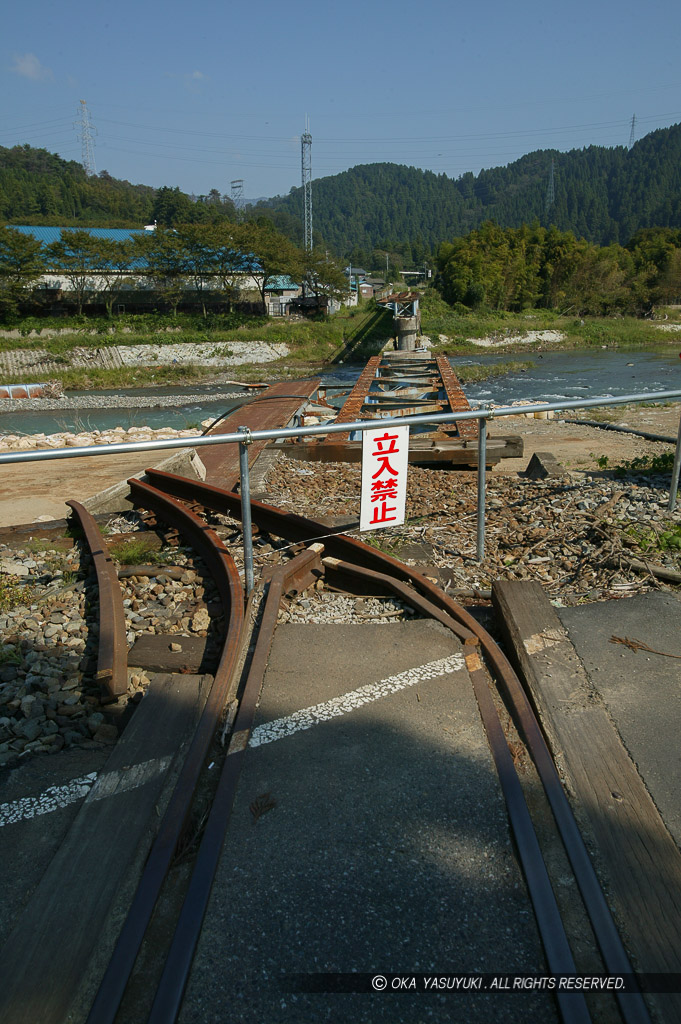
(87,130)
(551,190)
(306,166)
(632,133)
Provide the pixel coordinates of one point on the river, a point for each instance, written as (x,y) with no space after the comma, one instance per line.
(554,376)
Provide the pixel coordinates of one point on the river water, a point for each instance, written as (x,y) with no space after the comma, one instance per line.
(577,374)
(554,376)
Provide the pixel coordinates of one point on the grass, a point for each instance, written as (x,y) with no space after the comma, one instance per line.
(15,594)
(9,655)
(460,325)
(643,464)
(311,344)
(137,551)
(476,372)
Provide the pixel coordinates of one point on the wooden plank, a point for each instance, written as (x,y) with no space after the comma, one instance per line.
(51,945)
(637,859)
(274,408)
(443,451)
(156,652)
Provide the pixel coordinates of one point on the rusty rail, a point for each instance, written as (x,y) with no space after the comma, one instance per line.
(338,571)
(298,573)
(352,406)
(112,655)
(297,528)
(456,398)
(112,987)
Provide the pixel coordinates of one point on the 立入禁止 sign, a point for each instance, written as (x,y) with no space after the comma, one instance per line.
(385,458)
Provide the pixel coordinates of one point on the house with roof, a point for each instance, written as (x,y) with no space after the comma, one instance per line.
(131,282)
(279,293)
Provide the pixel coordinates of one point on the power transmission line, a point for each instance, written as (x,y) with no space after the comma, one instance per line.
(237,187)
(87,130)
(632,134)
(551,190)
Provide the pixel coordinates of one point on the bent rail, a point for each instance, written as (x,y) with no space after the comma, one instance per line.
(295,575)
(112,657)
(298,528)
(227,579)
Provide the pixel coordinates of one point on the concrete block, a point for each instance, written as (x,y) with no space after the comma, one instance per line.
(543,465)
(116,498)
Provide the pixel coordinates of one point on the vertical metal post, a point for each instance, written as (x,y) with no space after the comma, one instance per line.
(245,491)
(482,459)
(675,472)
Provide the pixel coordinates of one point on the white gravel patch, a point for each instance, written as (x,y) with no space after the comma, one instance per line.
(228,353)
(498,340)
(42,364)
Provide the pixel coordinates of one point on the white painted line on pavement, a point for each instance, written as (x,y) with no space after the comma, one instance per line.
(52,799)
(88,786)
(306,718)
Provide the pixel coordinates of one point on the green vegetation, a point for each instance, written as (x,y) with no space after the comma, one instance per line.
(516,269)
(14,593)
(458,325)
(476,372)
(9,655)
(138,551)
(311,343)
(602,194)
(645,464)
(652,540)
(202,265)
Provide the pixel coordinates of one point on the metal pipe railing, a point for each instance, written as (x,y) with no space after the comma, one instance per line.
(483,414)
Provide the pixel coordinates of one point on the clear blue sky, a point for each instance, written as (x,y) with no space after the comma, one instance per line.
(196,95)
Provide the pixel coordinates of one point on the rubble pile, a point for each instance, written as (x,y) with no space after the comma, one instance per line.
(576,536)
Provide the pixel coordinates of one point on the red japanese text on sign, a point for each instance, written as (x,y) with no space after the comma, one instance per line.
(384,477)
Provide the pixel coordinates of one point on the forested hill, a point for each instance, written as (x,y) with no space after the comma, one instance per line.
(37,187)
(603,194)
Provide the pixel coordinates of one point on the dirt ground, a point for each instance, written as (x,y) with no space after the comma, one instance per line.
(29,491)
(578,447)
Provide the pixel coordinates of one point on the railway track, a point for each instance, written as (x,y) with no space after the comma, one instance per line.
(308,555)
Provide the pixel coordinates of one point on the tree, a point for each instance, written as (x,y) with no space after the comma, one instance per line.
(117,262)
(266,253)
(323,275)
(197,257)
(173,207)
(227,260)
(165,256)
(80,258)
(21,264)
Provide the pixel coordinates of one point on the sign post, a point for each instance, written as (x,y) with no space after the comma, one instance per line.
(385,459)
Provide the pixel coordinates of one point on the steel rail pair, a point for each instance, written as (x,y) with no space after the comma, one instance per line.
(362,559)
(227,579)
(346,559)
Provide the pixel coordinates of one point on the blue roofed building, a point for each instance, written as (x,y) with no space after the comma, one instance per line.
(48,235)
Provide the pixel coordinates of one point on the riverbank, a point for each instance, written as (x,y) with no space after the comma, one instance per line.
(152,350)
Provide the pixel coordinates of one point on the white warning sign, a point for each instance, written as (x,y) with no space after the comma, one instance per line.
(385,460)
